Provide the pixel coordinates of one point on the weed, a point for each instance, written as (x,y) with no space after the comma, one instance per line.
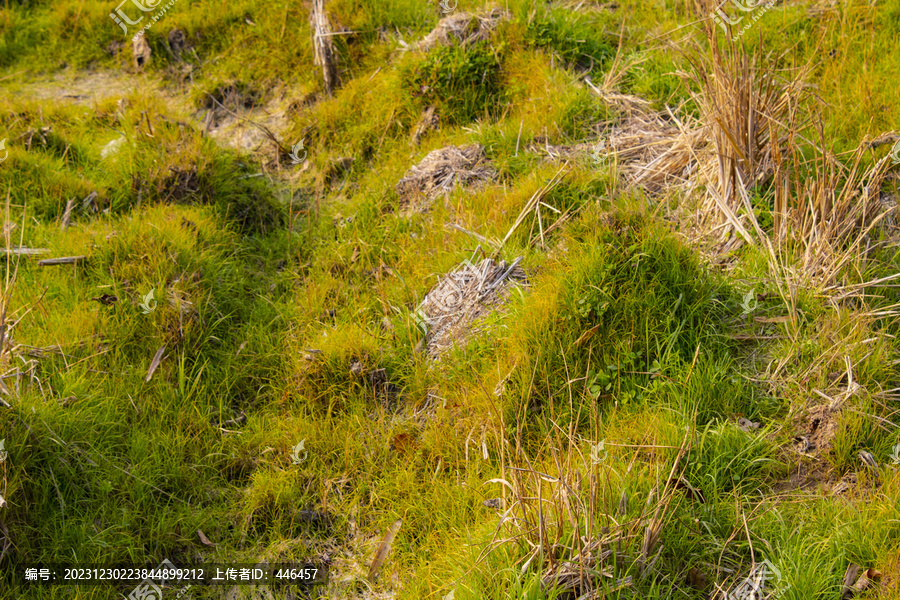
(463,83)
(572,38)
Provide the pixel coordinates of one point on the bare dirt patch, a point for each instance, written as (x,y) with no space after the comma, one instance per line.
(232,118)
(181,185)
(89,87)
(237,118)
(819,428)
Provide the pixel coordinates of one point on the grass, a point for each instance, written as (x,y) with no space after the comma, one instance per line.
(597,419)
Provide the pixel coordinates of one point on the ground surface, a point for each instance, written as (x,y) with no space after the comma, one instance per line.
(541,300)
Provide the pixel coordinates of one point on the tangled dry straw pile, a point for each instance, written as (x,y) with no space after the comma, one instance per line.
(450,311)
(653,150)
(440,171)
(462,28)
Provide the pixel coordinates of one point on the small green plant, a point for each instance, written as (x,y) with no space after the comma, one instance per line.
(762,210)
(463,83)
(592,305)
(601,381)
(623,379)
(575,41)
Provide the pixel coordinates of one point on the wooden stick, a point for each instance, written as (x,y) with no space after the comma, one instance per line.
(478,237)
(66,260)
(155,363)
(324,53)
(67,214)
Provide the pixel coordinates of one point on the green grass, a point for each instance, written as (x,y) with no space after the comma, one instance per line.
(462,83)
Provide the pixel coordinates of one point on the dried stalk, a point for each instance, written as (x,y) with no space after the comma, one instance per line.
(325,55)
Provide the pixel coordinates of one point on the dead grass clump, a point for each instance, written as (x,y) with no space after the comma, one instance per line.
(651,149)
(451,309)
(752,116)
(440,171)
(553,518)
(821,209)
(655,150)
(462,28)
(828,219)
